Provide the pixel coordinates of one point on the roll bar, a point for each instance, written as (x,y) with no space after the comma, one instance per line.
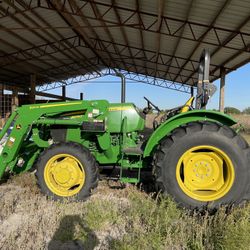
(205,89)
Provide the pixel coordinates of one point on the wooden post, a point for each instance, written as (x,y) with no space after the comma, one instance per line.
(1,106)
(1,99)
(64,92)
(81,96)
(14,99)
(222,89)
(32,88)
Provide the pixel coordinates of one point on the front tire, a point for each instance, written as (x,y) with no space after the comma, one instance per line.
(203,165)
(67,170)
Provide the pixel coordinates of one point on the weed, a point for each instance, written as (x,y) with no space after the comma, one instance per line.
(113,219)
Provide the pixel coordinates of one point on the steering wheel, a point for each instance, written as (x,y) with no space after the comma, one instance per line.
(150,106)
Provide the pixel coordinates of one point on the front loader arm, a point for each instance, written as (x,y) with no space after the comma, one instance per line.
(27,117)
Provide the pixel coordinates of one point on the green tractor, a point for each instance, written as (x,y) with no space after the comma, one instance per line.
(193,154)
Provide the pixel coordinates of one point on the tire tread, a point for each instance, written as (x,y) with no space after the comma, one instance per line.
(194,127)
(79,148)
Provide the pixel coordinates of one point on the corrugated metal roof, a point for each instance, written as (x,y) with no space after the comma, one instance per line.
(162,39)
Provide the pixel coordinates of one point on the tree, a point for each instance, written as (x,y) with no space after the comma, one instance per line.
(232,110)
(246,111)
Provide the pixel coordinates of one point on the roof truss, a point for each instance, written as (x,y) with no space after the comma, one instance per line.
(85,53)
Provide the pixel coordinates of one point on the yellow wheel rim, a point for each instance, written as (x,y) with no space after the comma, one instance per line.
(64,175)
(205,173)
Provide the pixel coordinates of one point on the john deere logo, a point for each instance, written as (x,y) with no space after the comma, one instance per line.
(120,108)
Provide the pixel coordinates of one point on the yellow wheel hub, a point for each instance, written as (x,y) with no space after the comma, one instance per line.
(205,173)
(64,175)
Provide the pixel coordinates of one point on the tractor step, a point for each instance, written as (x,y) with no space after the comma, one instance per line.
(129,180)
(130,175)
(133,151)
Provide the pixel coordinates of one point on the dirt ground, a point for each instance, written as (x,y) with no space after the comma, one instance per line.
(113,218)
(28,220)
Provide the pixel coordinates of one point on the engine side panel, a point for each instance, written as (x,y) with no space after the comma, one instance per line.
(118,111)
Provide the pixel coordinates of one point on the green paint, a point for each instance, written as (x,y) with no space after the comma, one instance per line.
(180,119)
(117,112)
(111,130)
(37,139)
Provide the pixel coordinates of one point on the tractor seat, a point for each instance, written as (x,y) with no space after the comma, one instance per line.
(188,105)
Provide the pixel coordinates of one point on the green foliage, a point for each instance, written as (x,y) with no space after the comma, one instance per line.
(101,213)
(246,111)
(162,225)
(231,110)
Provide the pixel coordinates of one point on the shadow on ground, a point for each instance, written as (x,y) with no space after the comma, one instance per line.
(64,237)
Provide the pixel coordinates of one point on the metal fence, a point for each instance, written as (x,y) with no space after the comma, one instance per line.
(5,104)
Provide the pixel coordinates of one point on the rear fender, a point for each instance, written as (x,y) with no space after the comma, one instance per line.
(191,116)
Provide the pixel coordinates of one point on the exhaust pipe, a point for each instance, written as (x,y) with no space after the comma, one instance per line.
(123,86)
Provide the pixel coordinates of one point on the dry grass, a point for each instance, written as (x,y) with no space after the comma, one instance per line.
(112,219)
(244,121)
(30,221)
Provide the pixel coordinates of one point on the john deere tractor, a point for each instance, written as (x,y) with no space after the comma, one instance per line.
(193,154)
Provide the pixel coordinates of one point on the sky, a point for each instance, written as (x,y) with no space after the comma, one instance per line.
(237,91)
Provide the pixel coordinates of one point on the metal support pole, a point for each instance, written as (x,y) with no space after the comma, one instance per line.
(222,88)
(32,88)
(64,92)
(123,90)
(192,91)
(81,96)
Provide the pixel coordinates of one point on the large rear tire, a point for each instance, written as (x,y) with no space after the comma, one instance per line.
(203,165)
(67,170)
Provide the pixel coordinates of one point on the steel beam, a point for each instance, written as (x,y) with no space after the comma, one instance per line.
(23,55)
(202,37)
(128,75)
(141,34)
(173,25)
(179,39)
(161,5)
(38,93)
(34,32)
(98,15)
(154,81)
(77,79)
(70,20)
(59,97)
(230,37)
(8,10)
(124,34)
